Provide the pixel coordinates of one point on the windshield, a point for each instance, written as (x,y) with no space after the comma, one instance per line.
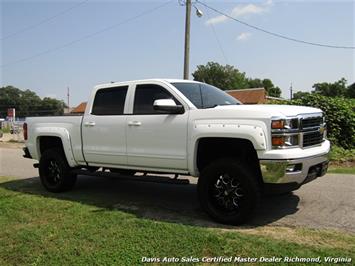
(205,96)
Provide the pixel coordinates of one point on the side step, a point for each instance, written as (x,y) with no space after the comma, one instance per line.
(143,178)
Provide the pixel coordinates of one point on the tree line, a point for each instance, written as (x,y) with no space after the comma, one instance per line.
(28,103)
(336,89)
(230,78)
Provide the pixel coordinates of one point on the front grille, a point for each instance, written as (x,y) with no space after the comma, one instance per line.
(311,122)
(314,138)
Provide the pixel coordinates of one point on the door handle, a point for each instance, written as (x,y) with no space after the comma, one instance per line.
(134,123)
(89,124)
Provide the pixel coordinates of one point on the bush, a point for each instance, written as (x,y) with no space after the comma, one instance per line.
(341,155)
(339,115)
(5,130)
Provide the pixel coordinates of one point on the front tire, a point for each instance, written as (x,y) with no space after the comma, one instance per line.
(54,171)
(228,191)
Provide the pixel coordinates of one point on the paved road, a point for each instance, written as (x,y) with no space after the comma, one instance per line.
(13,164)
(328,202)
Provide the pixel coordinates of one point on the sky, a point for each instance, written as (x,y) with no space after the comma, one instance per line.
(47,46)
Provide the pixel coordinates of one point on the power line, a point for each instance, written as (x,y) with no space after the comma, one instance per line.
(273,33)
(88,36)
(43,21)
(217,40)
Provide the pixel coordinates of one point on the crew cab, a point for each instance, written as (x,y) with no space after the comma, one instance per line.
(184,127)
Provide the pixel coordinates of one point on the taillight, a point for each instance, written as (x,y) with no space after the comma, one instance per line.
(25,133)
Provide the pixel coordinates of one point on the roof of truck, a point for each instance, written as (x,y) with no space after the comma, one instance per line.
(145,80)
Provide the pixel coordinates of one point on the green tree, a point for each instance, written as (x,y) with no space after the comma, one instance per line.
(336,89)
(224,77)
(50,106)
(351,91)
(27,103)
(271,89)
(300,95)
(266,84)
(229,78)
(255,83)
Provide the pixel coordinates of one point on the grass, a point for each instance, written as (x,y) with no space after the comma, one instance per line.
(341,170)
(5,130)
(39,229)
(16,141)
(342,161)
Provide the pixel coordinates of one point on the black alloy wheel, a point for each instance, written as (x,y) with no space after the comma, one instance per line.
(228,191)
(54,171)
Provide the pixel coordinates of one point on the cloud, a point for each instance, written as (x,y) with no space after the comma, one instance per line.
(243,11)
(244,36)
(216,20)
(269,3)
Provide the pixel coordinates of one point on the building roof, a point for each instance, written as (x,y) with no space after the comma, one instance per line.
(249,96)
(80,109)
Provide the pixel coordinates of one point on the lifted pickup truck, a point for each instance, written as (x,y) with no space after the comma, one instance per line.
(187,128)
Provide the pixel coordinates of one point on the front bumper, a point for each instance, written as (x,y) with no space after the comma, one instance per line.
(294,171)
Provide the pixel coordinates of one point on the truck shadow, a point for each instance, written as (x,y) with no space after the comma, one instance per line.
(157,201)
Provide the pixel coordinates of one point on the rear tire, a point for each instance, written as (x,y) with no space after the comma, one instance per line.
(54,171)
(228,191)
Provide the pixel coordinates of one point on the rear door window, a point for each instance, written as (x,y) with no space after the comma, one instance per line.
(110,101)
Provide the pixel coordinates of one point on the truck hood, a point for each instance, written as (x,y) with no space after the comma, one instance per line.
(272,109)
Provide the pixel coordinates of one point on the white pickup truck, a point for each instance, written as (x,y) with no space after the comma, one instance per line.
(184,127)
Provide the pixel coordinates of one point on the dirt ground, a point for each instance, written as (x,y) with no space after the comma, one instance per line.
(7,137)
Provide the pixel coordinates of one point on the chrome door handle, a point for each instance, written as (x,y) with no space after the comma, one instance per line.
(134,123)
(89,124)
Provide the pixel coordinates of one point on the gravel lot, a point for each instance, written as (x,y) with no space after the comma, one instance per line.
(328,202)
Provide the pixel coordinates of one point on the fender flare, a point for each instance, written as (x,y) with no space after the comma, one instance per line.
(253,133)
(60,133)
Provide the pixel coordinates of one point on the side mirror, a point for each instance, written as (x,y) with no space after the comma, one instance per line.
(168,106)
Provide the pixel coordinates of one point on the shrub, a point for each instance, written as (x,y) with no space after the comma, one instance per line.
(339,114)
(5,129)
(341,155)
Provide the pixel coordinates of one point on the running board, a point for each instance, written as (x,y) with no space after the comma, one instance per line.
(143,178)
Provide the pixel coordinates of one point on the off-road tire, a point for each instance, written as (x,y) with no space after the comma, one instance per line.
(241,197)
(54,171)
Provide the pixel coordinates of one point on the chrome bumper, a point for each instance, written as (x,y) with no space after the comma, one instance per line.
(293,171)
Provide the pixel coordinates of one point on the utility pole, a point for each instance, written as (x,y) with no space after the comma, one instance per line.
(187,39)
(291,93)
(68,95)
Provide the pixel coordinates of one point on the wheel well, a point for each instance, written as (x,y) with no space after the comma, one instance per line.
(211,149)
(46,143)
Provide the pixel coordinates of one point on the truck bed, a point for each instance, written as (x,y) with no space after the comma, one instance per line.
(67,126)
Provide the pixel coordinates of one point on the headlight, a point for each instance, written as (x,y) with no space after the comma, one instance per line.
(284,141)
(278,124)
(281,124)
(285,133)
